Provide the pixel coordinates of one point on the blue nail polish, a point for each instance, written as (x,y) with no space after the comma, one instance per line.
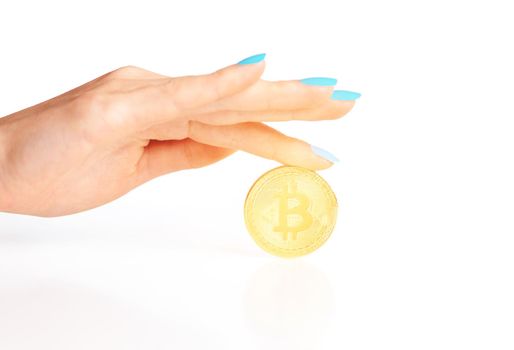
(253,59)
(343,95)
(324,154)
(319,81)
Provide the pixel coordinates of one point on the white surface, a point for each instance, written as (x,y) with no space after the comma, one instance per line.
(422,255)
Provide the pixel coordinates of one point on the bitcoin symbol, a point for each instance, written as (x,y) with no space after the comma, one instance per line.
(290,211)
(286,198)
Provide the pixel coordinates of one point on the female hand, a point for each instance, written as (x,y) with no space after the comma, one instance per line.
(95,143)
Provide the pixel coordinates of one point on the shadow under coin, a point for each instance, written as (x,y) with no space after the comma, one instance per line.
(288,304)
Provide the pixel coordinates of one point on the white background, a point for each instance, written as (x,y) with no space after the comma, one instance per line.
(422,256)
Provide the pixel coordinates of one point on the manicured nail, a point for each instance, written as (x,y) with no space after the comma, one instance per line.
(343,95)
(319,81)
(253,59)
(324,154)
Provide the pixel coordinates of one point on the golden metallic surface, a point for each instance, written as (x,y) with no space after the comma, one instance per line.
(290,211)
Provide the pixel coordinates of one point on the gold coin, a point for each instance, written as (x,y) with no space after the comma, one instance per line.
(290,211)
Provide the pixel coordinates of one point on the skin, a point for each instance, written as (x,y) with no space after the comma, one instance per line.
(98,141)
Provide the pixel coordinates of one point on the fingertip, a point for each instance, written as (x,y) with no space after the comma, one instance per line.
(254,69)
(341,108)
(315,165)
(237,77)
(308,156)
(346,103)
(325,158)
(345,95)
(253,59)
(325,165)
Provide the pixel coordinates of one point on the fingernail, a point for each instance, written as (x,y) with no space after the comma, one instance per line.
(343,95)
(319,81)
(253,59)
(324,154)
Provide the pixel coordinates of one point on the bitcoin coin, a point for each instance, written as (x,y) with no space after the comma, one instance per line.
(290,211)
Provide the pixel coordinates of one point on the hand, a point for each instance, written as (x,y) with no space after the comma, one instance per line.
(96,142)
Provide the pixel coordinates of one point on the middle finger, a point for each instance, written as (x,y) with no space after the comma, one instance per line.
(272,95)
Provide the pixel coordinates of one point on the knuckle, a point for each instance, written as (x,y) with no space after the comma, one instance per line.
(273,149)
(105,111)
(233,138)
(123,72)
(217,90)
(319,95)
(190,132)
(220,75)
(314,96)
(188,155)
(92,103)
(286,87)
(180,130)
(173,85)
(174,88)
(219,80)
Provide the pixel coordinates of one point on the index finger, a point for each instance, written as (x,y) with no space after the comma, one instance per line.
(156,103)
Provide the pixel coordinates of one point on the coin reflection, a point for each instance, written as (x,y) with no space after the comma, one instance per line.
(288,305)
